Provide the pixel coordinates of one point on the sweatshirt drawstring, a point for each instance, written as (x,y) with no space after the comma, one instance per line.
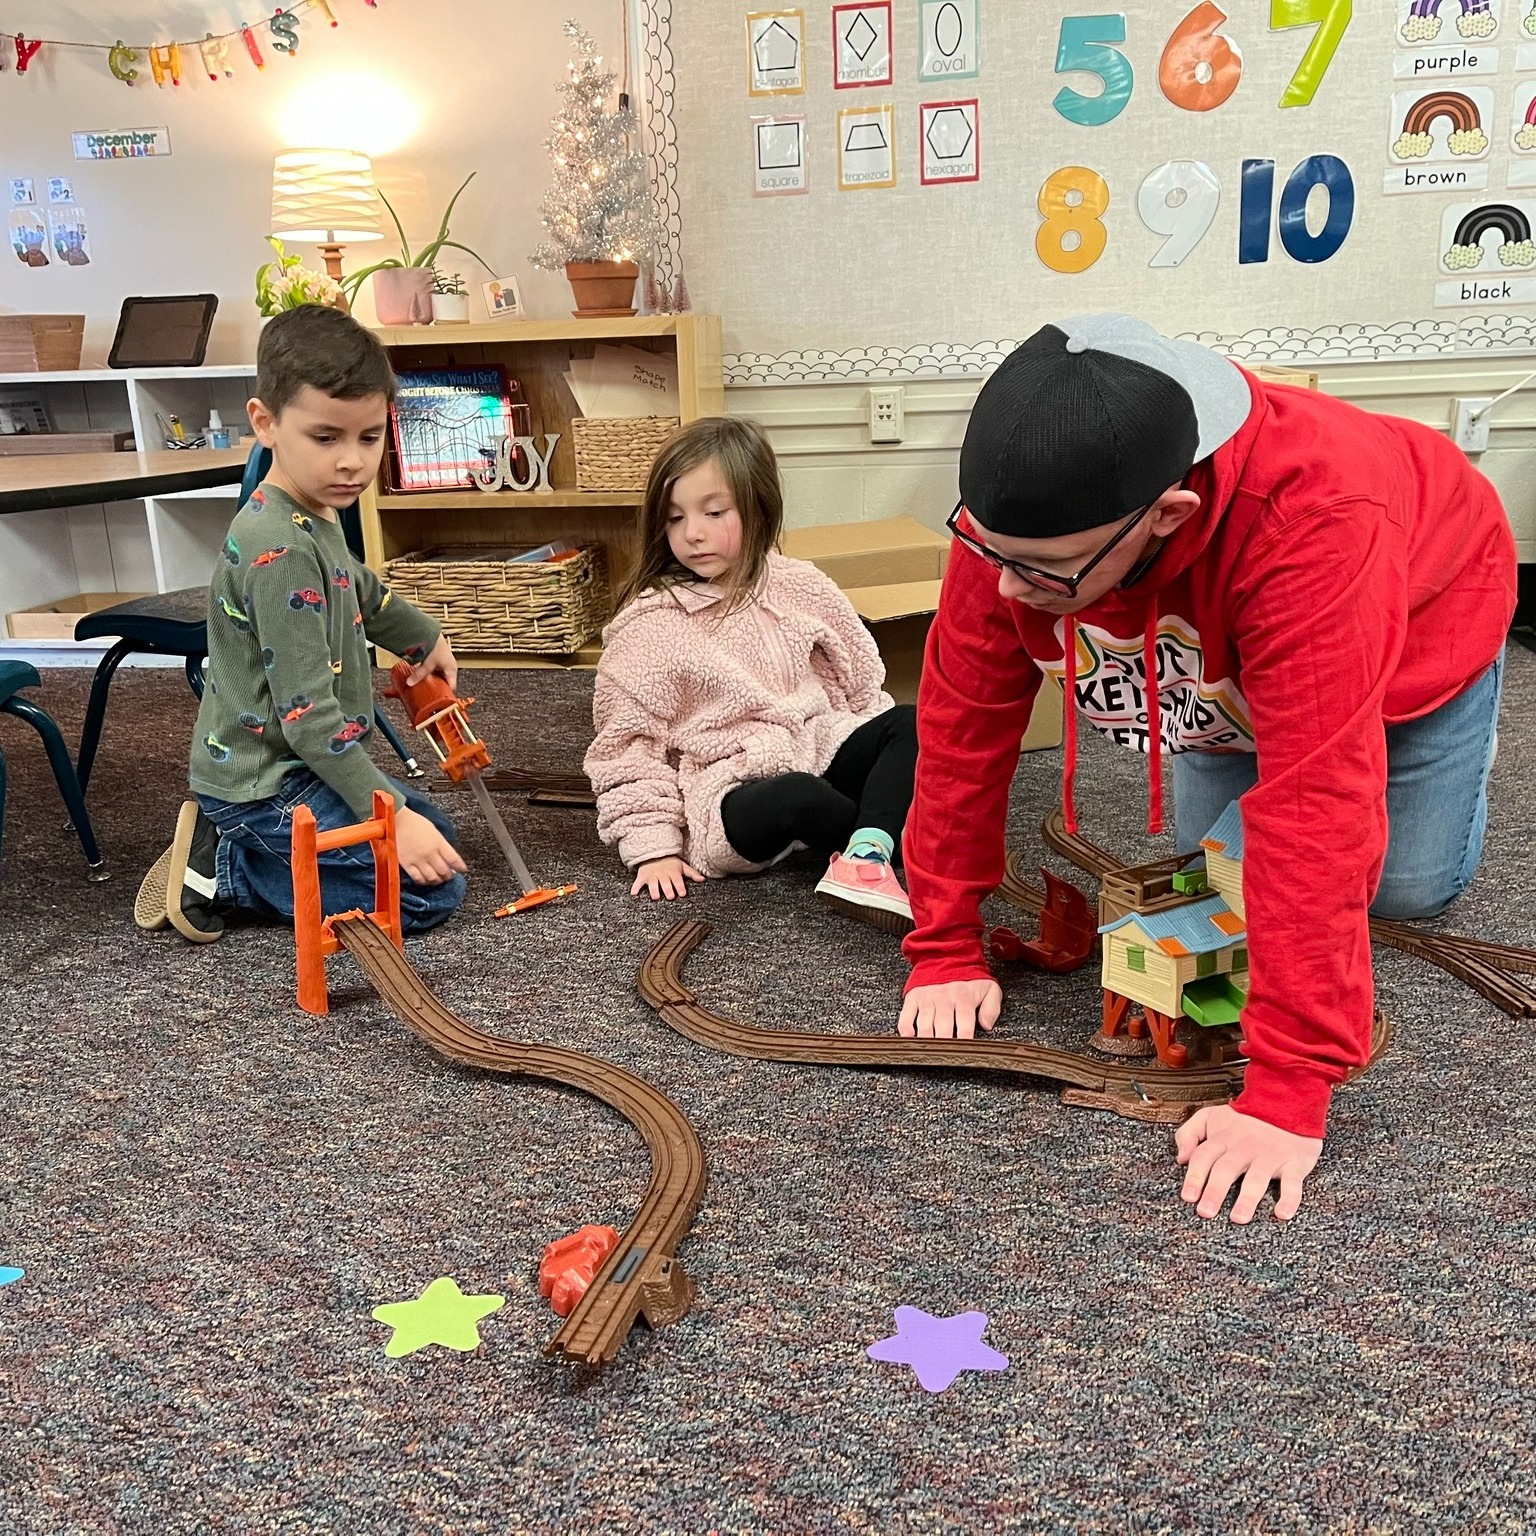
(1069,727)
(1154,725)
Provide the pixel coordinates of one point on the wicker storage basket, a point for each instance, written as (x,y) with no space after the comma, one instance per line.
(615,453)
(484,603)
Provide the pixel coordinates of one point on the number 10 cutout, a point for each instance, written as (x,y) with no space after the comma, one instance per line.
(1300,243)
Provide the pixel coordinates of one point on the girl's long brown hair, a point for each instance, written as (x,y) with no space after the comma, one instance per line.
(741,448)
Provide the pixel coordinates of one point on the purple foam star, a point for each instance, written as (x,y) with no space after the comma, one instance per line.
(938,1348)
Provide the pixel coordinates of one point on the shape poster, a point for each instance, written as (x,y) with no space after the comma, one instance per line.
(776,53)
(778,157)
(861,45)
(948,45)
(866,148)
(951,142)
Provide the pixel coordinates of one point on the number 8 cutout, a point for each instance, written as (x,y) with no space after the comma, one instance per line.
(1200,67)
(1082,218)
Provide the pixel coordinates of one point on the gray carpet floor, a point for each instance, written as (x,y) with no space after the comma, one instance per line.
(210,1191)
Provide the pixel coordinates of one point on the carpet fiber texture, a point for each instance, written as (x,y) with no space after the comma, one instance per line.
(210,1191)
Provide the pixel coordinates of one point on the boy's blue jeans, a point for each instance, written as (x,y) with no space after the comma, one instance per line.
(255,871)
(1437,798)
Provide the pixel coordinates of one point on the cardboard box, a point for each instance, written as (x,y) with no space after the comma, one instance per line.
(57,620)
(63,442)
(891,570)
(40,343)
(874,554)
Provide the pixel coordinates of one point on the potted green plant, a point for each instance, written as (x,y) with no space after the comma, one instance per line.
(287,283)
(450,301)
(402,285)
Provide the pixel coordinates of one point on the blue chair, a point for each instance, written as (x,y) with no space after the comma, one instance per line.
(176,624)
(14,676)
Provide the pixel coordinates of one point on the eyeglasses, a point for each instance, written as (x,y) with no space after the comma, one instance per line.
(1047,581)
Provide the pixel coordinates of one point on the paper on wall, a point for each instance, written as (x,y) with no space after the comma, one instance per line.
(625,381)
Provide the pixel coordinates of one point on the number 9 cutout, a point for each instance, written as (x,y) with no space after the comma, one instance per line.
(1179,201)
(1200,68)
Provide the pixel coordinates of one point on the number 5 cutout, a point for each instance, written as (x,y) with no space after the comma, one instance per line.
(1200,68)
(1085,46)
(1332,18)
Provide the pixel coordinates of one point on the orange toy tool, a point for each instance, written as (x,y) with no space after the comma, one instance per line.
(439,714)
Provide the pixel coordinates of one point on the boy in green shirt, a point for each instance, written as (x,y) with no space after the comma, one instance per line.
(289,701)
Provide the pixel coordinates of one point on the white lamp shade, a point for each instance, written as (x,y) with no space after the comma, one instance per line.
(325,197)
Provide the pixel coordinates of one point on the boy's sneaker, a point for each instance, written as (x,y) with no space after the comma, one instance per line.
(191,891)
(149,908)
(868,890)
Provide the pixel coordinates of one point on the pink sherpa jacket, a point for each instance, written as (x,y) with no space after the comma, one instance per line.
(692,701)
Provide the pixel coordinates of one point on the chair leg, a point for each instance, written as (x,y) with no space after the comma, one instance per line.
(195,675)
(64,775)
(96,712)
(412,767)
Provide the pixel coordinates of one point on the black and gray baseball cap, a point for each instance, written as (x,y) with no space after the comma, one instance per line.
(1091,419)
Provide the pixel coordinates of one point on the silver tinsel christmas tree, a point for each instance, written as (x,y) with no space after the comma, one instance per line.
(599,208)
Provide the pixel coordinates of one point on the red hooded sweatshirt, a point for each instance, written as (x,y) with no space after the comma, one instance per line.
(1344,572)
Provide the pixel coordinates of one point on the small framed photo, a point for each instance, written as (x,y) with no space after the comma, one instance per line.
(503,299)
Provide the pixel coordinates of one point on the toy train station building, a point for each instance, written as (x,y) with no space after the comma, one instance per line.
(1175,942)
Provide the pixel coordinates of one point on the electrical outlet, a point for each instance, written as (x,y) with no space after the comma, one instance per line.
(886,416)
(1469,429)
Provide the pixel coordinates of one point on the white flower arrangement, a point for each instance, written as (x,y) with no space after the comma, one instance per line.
(287,283)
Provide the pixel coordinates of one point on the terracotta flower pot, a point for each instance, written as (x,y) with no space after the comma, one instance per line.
(403,295)
(602,288)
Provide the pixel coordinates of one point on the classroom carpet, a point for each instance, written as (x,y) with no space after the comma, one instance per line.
(210,1191)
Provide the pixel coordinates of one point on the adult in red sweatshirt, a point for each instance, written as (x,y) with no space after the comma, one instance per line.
(1311,601)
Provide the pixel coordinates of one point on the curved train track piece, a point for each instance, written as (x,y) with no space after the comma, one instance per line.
(640,1277)
(1493,970)
(1135,1090)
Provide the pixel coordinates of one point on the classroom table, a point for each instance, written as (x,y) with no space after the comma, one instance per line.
(38,482)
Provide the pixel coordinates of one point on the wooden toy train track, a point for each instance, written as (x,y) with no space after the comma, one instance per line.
(1494,970)
(567,789)
(640,1277)
(1136,1090)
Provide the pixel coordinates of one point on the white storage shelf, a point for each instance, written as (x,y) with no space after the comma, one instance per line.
(157,544)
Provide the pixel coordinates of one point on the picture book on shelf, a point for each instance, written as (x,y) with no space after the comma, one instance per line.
(449,422)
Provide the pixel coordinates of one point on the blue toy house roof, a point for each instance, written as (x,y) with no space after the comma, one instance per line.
(1227,835)
(1193,928)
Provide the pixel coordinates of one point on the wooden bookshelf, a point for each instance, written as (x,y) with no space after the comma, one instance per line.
(537,353)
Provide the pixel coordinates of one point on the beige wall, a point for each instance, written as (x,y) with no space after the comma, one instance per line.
(478,77)
(832,472)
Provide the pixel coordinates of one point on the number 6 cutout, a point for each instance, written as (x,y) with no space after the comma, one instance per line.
(1178,200)
(1200,67)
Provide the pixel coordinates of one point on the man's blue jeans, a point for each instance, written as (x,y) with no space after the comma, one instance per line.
(255,870)
(1437,798)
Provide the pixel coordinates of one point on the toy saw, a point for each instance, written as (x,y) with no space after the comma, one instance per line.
(439,714)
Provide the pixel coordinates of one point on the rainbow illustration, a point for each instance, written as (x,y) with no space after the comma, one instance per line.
(1466,135)
(1517,250)
(1525,134)
(1423,24)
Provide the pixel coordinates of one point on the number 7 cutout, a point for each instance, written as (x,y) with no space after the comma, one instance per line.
(1332,18)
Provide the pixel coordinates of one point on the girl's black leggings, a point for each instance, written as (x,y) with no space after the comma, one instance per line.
(868,784)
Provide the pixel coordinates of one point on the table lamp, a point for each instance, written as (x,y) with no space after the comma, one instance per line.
(327,198)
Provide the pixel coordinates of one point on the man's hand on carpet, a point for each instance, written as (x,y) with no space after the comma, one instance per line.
(951,1010)
(1219,1146)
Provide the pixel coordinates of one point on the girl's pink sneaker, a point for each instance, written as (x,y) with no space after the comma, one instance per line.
(867,889)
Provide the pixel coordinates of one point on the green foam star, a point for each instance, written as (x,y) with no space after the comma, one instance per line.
(442,1314)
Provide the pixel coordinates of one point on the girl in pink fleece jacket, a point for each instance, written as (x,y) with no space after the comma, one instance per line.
(739,710)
